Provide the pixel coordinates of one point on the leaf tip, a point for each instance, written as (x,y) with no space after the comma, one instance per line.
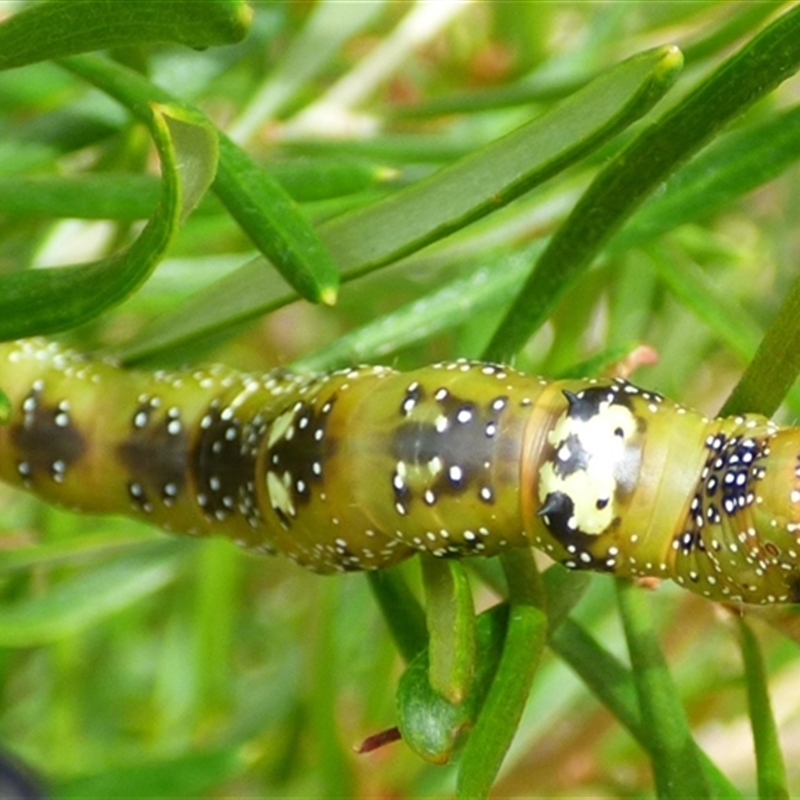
(671,58)
(328,296)
(386,174)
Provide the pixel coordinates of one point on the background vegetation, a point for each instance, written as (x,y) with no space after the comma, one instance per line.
(658,198)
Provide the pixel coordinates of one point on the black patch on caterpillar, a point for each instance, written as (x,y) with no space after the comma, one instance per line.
(586,404)
(556,512)
(402,494)
(222,468)
(155,459)
(463,440)
(577,459)
(730,469)
(282,518)
(45,446)
(688,541)
(304,455)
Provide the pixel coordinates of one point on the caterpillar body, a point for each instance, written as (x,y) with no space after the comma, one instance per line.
(359,469)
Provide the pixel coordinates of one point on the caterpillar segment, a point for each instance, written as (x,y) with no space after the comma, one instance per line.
(359,469)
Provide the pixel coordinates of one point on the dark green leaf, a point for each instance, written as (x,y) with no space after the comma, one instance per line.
(776,364)
(452,198)
(47,30)
(642,166)
(401,610)
(50,300)
(432,726)
(254,199)
(451,627)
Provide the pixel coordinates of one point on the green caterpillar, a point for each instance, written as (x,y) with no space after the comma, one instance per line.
(359,469)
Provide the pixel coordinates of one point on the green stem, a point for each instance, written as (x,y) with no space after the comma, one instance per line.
(769,758)
(524,642)
(673,752)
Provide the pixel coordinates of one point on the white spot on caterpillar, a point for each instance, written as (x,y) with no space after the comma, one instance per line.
(464,415)
(435,465)
(279,494)
(62,414)
(280,427)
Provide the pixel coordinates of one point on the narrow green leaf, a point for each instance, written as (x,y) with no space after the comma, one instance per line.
(604,675)
(772,784)
(451,626)
(452,198)
(775,367)
(505,169)
(522,648)
(401,610)
(563,588)
(125,196)
(487,285)
(79,602)
(50,300)
(261,207)
(197,150)
(729,168)
(642,166)
(434,727)
(55,29)
(431,725)
(208,312)
(322,178)
(95,196)
(673,753)
(554,80)
(613,685)
(277,227)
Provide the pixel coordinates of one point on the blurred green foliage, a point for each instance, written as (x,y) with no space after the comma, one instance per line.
(435,153)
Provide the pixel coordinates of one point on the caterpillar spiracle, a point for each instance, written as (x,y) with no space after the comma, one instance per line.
(361,468)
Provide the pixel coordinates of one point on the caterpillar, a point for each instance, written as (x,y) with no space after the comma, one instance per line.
(359,469)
